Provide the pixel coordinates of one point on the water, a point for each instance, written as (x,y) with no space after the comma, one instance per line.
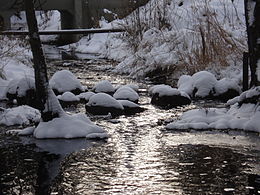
(140,157)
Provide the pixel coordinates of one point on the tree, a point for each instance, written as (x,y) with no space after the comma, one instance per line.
(252,15)
(46,100)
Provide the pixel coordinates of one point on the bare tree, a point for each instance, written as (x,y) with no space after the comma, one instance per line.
(252,15)
(46,101)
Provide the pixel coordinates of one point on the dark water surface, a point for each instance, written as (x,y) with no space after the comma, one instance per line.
(140,157)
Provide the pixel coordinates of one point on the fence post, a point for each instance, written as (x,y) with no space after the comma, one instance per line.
(245,70)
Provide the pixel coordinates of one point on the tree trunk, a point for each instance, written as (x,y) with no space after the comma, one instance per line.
(252,15)
(44,95)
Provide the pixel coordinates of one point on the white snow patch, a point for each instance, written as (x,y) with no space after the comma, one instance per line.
(204,82)
(224,85)
(126,93)
(128,104)
(74,126)
(104,100)
(163,90)
(85,95)
(65,80)
(244,117)
(22,115)
(104,87)
(68,97)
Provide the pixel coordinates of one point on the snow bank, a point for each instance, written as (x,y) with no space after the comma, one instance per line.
(74,126)
(65,80)
(15,62)
(46,21)
(170,35)
(243,114)
(22,115)
(204,84)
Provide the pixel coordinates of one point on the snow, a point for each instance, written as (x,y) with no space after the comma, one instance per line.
(74,126)
(15,62)
(126,93)
(128,104)
(23,132)
(22,115)
(225,84)
(163,90)
(104,100)
(65,80)
(103,87)
(52,104)
(49,20)
(174,43)
(68,97)
(205,83)
(244,117)
(23,85)
(86,95)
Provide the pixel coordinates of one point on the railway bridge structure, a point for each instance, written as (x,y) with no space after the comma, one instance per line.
(75,14)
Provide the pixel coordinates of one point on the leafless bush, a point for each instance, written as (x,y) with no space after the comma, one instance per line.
(205,41)
(143,18)
(213,45)
(12,48)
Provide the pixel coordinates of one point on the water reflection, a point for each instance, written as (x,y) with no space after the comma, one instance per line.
(28,165)
(142,159)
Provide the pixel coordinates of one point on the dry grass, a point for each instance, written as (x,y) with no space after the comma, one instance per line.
(208,45)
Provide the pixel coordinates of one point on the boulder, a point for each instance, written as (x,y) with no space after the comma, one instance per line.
(104,87)
(167,97)
(103,104)
(23,90)
(68,99)
(126,93)
(63,81)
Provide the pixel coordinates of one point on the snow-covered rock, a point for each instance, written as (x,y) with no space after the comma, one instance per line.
(130,108)
(103,104)
(104,87)
(126,93)
(204,84)
(226,89)
(85,96)
(23,90)
(244,114)
(22,115)
(167,97)
(63,81)
(68,98)
(69,126)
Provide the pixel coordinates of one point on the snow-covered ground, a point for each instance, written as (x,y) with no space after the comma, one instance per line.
(186,34)
(243,114)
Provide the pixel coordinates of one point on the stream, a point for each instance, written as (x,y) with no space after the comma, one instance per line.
(139,157)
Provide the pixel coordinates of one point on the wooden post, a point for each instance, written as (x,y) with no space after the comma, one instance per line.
(40,70)
(252,15)
(245,71)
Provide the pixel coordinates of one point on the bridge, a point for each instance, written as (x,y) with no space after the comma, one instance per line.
(75,14)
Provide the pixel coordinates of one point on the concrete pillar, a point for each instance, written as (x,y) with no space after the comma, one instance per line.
(76,18)
(5,23)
